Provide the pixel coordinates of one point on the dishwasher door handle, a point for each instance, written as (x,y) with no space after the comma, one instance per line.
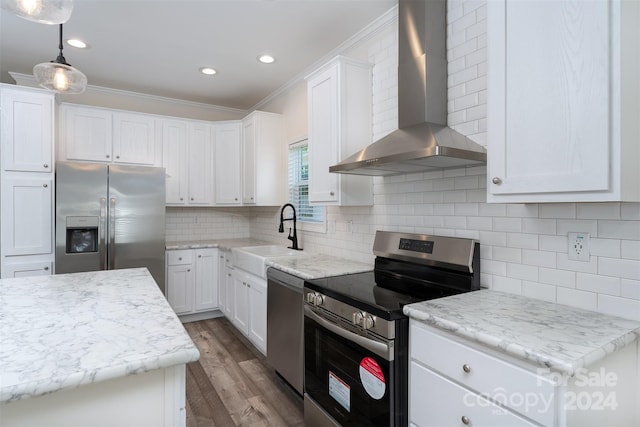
(382,349)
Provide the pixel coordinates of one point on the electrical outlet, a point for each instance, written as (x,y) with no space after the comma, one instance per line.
(579,246)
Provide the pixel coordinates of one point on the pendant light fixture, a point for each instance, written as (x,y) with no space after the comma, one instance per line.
(59,76)
(43,11)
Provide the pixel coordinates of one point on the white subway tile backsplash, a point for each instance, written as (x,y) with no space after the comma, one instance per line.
(619,229)
(539,226)
(599,210)
(552,276)
(539,258)
(524,241)
(479,223)
(522,211)
(582,226)
(523,272)
(507,284)
(617,306)
(630,288)
(577,298)
(493,238)
(598,284)
(553,243)
(605,247)
(624,268)
(630,249)
(557,210)
(539,291)
(564,263)
(511,255)
(630,211)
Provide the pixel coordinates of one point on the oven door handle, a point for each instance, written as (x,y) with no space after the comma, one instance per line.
(381,349)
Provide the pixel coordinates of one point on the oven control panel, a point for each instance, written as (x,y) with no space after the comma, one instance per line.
(424,246)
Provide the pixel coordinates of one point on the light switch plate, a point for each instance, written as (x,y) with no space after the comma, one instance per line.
(579,246)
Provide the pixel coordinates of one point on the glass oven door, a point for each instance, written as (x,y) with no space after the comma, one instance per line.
(347,375)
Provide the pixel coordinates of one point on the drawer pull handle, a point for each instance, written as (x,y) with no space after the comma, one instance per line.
(466,368)
(46,269)
(465,420)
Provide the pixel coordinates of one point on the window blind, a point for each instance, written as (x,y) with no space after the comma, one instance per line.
(299,184)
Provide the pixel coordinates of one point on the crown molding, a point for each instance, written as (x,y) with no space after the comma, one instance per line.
(368,32)
(29,80)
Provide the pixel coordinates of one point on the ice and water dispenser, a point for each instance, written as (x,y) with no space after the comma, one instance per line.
(82,234)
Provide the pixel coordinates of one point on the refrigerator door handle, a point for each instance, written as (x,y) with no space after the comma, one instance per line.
(112,233)
(102,230)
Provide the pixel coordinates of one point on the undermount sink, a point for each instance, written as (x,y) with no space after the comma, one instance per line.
(252,259)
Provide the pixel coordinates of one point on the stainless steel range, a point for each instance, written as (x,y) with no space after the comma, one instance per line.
(356,336)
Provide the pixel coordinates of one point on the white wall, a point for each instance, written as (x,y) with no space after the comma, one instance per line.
(523,246)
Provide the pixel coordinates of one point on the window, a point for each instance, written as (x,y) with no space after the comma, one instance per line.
(299,187)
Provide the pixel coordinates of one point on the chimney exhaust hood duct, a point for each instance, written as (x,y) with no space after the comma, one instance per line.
(422,142)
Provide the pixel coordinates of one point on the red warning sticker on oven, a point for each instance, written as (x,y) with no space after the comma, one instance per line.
(372,378)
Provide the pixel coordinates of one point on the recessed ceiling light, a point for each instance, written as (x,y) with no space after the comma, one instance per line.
(208,71)
(77,43)
(266,59)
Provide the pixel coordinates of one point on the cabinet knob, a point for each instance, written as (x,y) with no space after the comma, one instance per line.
(179,259)
(466,368)
(117,157)
(45,166)
(199,256)
(108,156)
(181,199)
(236,199)
(496,180)
(188,269)
(46,268)
(465,420)
(331,193)
(45,185)
(192,198)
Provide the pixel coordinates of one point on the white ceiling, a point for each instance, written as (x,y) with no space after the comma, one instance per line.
(156,46)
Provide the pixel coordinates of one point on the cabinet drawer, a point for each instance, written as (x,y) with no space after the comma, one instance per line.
(179,257)
(436,401)
(515,387)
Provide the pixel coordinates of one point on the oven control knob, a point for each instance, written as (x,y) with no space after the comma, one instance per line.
(311,298)
(356,318)
(319,300)
(368,321)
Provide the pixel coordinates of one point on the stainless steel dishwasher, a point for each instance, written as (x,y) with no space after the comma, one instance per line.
(285,349)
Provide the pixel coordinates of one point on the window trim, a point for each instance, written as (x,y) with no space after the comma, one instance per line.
(316,227)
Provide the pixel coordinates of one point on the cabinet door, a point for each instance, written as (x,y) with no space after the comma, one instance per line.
(206,282)
(27,269)
(27,131)
(27,212)
(174,142)
(549,105)
(228,168)
(452,405)
(323,113)
(87,134)
(241,302)
(249,161)
(200,165)
(180,283)
(258,313)
(134,139)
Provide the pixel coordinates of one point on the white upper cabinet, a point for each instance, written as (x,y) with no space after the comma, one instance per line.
(339,120)
(228,165)
(103,135)
(27,130)
(174,146)
(563,104)
(200,164)
(264,168)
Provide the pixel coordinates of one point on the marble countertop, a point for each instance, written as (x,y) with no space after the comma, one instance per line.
(315,266)
(64,331)
(217,243)
(549,335)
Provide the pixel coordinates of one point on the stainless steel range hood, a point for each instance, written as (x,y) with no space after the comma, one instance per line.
(423,141)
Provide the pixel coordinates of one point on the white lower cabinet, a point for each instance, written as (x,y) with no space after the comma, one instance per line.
(454,382)
(249,307)
(192,280)
(27,269)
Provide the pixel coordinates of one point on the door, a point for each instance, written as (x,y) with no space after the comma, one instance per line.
(206,282)
(200,165)
(249,160)
(180,286)
(134,139)
(227,164)
(27,131)
(88,134)
(81,209)
(26,209)
(174,141)
(258,313)
(241,302)
(136,227)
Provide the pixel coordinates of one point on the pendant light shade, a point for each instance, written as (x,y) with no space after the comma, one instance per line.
(43,11)
(59,76)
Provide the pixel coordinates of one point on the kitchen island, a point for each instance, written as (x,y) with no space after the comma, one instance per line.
(98,348)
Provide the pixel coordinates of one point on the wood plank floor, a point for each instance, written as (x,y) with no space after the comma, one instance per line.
(232,385)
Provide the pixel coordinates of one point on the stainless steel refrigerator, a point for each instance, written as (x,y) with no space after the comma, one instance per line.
(110,217)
